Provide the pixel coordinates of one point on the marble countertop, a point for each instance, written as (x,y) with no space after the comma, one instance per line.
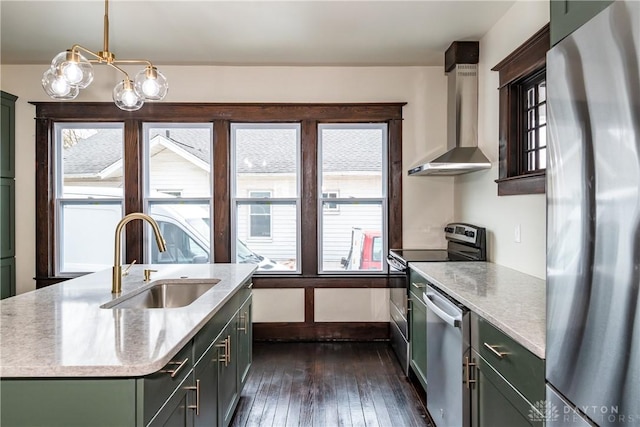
(61,331)
(512,301)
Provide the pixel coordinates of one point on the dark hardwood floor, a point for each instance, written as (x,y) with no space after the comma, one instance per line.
(326,385)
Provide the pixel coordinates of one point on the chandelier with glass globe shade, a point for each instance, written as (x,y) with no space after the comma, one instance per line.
(71,71)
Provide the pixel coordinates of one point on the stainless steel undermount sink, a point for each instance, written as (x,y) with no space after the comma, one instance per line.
(165,294)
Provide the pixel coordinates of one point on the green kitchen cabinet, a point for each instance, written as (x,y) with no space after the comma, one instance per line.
(497,402)
(245,341)
(569,15)
(7,218)
(418,327)
(7,196)
(228,384)
(68,402)
(206,383)
(7,277)
(176,411)
(7,135)
(158,388)
(509,379)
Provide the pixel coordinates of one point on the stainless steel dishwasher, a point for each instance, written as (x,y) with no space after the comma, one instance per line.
(448,338)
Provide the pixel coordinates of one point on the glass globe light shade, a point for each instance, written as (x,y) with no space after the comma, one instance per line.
(151,84)
(126,98)
(57,87)
(74,67)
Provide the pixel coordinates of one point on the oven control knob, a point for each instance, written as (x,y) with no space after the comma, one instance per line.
(470,234)
(448,229)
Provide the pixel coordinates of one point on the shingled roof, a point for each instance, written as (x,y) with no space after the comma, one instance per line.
(262,151)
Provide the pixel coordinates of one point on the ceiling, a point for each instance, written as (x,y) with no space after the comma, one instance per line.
(295,32)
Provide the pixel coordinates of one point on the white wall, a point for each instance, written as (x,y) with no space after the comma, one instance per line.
(476,199)
(427,203)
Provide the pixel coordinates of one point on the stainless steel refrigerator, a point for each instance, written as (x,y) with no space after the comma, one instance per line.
(593,235)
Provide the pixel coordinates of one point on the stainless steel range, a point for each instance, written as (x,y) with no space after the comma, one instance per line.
(465,242)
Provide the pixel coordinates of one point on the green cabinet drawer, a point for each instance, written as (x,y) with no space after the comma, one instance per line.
(158,386)
(515,363)
(498,403)
(417,283)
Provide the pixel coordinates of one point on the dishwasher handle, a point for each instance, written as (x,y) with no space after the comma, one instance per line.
(429,297)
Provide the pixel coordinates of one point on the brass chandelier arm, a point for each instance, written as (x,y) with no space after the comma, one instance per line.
(119,69)
(77,47)
(133,61)
(110,59)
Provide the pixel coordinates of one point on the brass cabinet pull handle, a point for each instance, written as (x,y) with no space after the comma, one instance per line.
(498,354)
(226,345)
(244,322)
(223,345)
(467,366)
(197,389)
(180,366)
(419,285)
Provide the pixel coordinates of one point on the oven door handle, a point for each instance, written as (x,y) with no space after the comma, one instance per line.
(394,263)
(429,299)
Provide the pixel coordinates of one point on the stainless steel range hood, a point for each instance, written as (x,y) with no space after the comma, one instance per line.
(463,155)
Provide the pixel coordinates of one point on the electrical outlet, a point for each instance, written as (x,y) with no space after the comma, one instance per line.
(517,234)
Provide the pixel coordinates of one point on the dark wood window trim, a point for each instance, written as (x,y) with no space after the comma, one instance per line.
(522,63)
(309,115)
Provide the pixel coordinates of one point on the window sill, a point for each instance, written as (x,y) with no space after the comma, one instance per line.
(534,183)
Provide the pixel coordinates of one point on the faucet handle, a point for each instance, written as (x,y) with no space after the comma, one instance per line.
(147,274)
(126,271)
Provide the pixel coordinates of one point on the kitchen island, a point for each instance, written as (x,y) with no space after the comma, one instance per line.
(126,366)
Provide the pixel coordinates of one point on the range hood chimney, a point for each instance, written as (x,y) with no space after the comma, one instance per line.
(463,154)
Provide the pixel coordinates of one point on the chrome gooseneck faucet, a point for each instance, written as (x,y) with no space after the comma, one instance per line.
(116,287)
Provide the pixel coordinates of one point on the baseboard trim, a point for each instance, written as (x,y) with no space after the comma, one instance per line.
(321,331)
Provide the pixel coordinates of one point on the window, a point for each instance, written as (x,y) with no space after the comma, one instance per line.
(211,176)
(523,117)
(259,216)
(88,194)
(267,221)
(330,206)
(352,240)
(535,150)
(179,155)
